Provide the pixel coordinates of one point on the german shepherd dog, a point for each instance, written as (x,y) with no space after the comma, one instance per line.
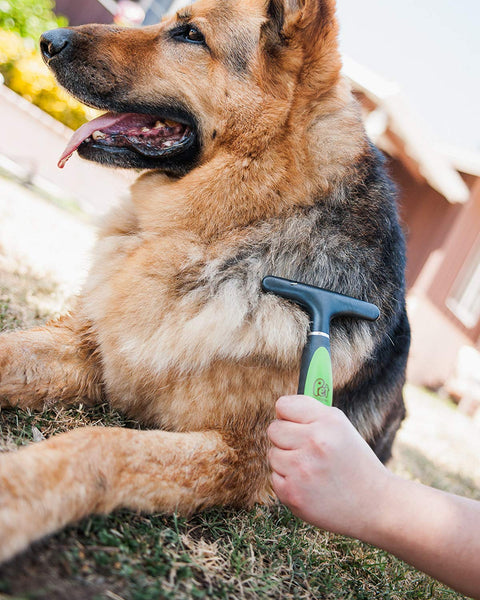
(256,163)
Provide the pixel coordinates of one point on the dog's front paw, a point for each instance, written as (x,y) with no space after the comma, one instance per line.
(15,363)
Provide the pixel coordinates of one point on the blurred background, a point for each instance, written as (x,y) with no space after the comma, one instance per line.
(414,68)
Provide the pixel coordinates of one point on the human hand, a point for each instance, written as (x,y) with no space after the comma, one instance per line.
(322,469)
(329,476)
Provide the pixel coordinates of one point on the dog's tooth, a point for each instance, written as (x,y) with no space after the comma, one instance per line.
(170,123)
(146,129)
(159,124)
(168,144)
(98,135)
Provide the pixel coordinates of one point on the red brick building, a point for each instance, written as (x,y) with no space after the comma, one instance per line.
(440,209)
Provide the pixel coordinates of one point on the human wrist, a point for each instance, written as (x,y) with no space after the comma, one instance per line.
(389,512)
(376,516)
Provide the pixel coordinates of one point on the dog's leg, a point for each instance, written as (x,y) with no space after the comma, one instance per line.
(95,470)
(57,362)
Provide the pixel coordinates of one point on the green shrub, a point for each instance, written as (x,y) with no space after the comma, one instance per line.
(29,18)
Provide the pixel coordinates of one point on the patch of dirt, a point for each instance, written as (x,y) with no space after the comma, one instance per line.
(43,573)
(438,445)
(41,239)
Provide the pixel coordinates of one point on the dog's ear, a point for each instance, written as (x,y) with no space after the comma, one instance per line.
(276,14)
(273,26)
(317,29)
(312,26)
(282,14)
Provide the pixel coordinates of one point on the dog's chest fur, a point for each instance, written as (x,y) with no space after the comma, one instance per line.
(183,327)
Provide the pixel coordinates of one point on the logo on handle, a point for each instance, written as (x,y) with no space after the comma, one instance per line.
(321,389)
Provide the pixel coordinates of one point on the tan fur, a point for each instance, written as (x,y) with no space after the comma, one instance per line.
(210,371)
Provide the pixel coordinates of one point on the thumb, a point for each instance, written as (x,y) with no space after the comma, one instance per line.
(299,409)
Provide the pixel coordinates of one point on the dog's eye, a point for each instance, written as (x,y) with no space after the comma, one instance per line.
(190,34)
(193,35)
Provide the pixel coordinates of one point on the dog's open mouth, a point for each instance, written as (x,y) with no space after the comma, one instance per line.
(149,137)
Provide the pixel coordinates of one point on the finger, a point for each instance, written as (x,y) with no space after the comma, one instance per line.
(279,461)
(286,434)
(299,409)
(278,484)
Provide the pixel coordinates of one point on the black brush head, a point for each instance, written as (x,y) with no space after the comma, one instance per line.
(322,305)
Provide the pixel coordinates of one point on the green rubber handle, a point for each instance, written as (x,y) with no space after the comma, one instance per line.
(316,378)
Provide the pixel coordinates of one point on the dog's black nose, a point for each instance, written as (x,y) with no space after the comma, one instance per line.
(54,41)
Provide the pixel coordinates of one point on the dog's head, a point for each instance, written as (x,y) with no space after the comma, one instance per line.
(219,73)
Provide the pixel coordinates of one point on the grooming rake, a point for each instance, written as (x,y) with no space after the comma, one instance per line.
(322,306)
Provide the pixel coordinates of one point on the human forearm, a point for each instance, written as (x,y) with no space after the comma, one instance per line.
(436,532)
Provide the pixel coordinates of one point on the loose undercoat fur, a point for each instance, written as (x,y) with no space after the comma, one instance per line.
(172,326)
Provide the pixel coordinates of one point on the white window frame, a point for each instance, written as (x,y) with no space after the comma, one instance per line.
(464,297)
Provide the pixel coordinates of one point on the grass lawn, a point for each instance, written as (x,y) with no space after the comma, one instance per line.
(263,553)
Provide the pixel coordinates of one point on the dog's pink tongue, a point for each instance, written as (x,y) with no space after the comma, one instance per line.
(86,130)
